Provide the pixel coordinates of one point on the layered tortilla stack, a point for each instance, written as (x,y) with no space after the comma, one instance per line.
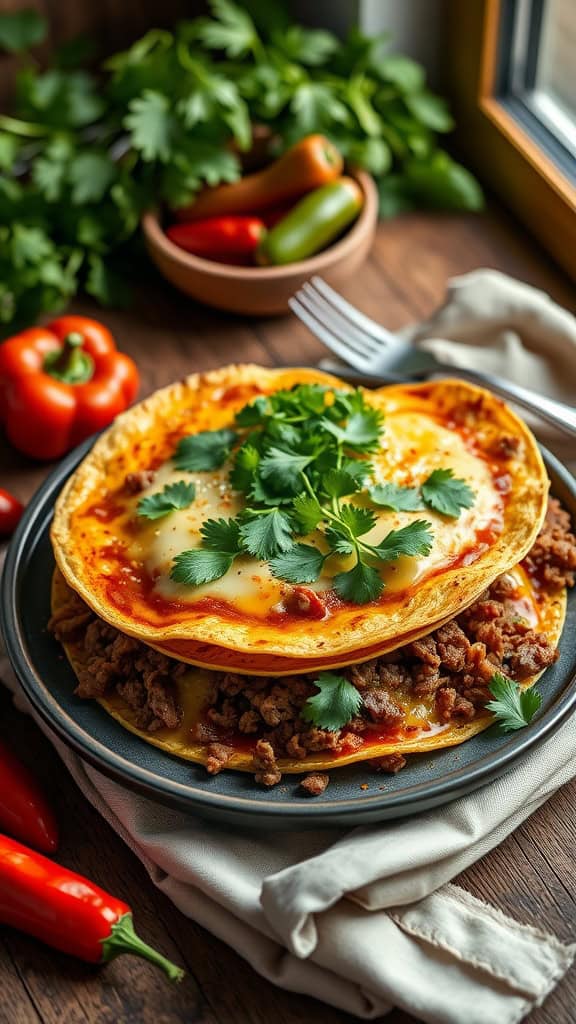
(377,557)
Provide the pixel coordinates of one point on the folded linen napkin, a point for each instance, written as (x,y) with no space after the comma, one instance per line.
(368,919)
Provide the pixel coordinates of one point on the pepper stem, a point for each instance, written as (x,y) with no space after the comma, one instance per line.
(71,364)
(123,939)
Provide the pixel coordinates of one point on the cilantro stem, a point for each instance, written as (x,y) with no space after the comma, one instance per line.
(27,129)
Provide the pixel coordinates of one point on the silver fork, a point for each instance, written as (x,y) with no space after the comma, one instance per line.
(375,351)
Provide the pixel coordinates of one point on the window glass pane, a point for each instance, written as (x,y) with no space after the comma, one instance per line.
(556,74)
(553,97)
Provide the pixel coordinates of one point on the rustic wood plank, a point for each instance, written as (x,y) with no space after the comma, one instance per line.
(16,1006)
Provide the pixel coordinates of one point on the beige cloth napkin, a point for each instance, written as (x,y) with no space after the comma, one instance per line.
(368,919)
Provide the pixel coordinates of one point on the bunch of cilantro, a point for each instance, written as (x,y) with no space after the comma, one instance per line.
(82,154)
(297,457)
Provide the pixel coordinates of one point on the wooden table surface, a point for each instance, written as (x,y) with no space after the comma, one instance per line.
(530,875)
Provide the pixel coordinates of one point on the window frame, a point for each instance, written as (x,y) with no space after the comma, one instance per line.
(496,133)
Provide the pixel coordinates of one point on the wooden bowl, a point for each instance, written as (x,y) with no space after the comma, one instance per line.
(260,291)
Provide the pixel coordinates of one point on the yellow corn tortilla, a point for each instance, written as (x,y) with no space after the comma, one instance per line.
(446,423)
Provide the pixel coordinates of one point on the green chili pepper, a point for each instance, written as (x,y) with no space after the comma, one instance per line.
(313,223)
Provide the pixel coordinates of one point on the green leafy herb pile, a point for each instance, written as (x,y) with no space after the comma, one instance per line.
(82,154)
(296,456)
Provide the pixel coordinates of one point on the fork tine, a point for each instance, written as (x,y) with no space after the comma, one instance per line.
(338,328)
(353,314)
(362,342)
(318,328)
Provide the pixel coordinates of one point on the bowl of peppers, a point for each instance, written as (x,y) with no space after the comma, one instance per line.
(249,245)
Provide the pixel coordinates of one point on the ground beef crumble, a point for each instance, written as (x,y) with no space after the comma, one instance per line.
(314,784)
(453,665)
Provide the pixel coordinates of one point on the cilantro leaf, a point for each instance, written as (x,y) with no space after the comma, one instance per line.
(301,564)
(307,46)
(414,539)
(339,543)
(30,246)
(316,105)
(283,468)
(245,465)
(360,584)
(513,708)
(90,174)
(265,534)
(204,451)
(358,520)
(335,704)
(104,283)
(359,469)
(19,30)
(308,512)
(362,431)
(254,413)
(173,496)
(232,29)
(199,565)
(445,493)
(396,498)
(339,482)
(221,535)
(151,125)
(8,151)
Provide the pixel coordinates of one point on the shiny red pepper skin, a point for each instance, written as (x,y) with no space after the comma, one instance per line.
(10,512)
(66,911)
(61,383)
(24,810)
(219,237)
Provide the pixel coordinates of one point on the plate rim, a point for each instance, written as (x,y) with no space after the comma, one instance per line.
(374,806)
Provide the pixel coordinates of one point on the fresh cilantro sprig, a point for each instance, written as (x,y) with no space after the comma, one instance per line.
(83,153)
(513,708)
(397,498)
(174,496)
(441,491)
(297,456)
(446,494)
(204,451)
(334,705)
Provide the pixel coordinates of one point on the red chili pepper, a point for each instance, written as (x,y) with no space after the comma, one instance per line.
(24,811)
(10,511)
(217,237)
(66,911)
(61,383)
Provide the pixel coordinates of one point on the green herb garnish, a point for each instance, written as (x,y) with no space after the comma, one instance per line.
(199,565)
(204,451)
(396,498)
(174,496)
(335,704)
(441,491)
(513,708)
(296,456)
(446,494)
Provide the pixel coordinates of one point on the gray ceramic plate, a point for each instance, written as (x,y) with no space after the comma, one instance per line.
(232,797)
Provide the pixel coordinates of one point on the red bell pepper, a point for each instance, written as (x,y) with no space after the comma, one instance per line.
(10,511)
(67,911)
(60,383)
(24,811)
(219,237)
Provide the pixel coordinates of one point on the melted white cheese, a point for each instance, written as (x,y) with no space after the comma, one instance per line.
(413,446)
